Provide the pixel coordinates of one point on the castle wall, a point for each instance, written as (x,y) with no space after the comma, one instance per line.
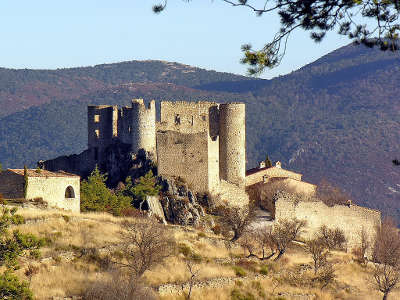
(125,125)
(11,185)
(102,128)
(52,190)
(232,143)
(188,117)
(143,126)
(351,219)
(82,164)
(184,155)
(271,173)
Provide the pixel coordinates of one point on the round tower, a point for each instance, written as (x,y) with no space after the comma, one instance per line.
(144,126)
(232,143)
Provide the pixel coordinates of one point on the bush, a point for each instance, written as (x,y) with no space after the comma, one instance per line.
(217,229)
(264,270)
(118,287)
(239,271)
(12,288)
(240,295)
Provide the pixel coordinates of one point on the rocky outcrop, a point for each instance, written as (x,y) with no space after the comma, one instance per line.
(180,204)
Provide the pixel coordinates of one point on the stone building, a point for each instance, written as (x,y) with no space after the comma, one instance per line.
(56,189)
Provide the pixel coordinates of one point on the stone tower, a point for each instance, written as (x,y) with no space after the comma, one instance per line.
(232,143)
(102,129)
(144,126)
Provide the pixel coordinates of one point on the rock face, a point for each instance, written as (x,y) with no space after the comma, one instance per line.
(180,204)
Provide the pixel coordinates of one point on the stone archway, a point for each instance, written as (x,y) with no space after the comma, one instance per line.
(69,192)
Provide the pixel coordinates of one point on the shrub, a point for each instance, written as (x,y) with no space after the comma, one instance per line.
(201,235)
(66,218)
(184,249)
(264,270)
(239,271)
(119,286)
(12,288)
(242,295)
(216,229)
(131,212)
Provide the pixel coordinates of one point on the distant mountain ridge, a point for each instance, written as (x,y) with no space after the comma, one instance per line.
(337,118)
(23,88)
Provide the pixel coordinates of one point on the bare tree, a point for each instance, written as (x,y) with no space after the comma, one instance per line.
(193,273)
(333,238)
(360,252)
(248,241)
(236,219)
(284,233)
(145,244)
(319,252)
(387,258)
(119,286)
(331,195)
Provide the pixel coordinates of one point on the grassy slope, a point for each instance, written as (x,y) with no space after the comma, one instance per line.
(62,272)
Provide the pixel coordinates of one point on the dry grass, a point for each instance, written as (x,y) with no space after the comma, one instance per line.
(60,277)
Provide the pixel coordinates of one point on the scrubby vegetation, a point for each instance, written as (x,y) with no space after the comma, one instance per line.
(88,255)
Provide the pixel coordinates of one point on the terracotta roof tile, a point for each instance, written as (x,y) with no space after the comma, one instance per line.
(42,173)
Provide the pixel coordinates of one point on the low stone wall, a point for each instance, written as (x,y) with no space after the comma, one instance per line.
(351,219)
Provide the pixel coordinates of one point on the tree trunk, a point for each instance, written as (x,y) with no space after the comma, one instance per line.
(385,294)
(281,252)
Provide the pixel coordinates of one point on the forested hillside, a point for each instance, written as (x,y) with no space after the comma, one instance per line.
(337,118)
(20,89)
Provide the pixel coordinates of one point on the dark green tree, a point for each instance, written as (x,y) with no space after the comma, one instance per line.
(368,22)
(95,196)
(145,186)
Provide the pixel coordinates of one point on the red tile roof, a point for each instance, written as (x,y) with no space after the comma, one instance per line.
(42,173)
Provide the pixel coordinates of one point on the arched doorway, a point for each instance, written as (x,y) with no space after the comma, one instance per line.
(69,192)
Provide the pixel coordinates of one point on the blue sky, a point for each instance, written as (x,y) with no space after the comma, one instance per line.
(48,34)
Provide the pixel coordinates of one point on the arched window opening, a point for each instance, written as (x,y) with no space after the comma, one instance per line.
(69,192)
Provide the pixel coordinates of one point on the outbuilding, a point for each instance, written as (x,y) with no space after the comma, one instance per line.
(55,189)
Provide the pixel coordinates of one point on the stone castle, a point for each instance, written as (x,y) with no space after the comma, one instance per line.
(200,142)
(203,145)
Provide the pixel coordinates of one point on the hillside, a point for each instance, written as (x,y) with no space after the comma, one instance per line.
(337,118)
(81,251)
(21,89)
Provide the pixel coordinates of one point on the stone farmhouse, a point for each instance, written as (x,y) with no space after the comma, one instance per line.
(55,189)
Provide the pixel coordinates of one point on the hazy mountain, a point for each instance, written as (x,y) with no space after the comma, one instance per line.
(337,118)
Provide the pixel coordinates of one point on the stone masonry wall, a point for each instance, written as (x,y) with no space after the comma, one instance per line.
(188,117)
(143,126)
(11,185)
(102,128)
(232,143)
(184,155)
(351,219)
(52,190)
